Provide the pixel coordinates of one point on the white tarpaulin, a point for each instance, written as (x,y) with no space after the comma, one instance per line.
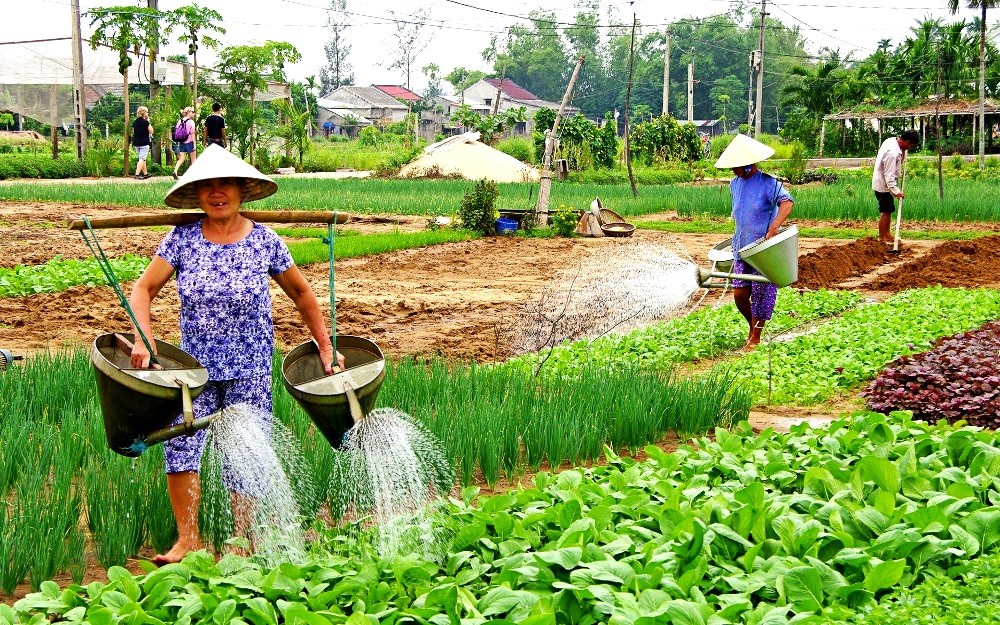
(468,157)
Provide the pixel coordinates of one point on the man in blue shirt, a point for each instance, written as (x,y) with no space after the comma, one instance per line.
(760,206)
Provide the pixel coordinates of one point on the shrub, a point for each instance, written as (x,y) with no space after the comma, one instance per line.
(794,168)
(478,209)
(370,136)
(43,166)
(564,220)
(518,147)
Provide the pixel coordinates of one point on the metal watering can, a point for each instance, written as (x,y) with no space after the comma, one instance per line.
(139,404)
(337,401)
(777,259)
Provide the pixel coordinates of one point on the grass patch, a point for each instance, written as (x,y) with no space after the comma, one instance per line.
(309,252)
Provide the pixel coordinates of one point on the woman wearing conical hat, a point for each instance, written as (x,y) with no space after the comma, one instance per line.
(760,205)
(224,263)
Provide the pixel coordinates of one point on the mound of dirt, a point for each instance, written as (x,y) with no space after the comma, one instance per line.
(830,265)
(950,264)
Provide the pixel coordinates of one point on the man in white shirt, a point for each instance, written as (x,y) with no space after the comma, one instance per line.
(887,165)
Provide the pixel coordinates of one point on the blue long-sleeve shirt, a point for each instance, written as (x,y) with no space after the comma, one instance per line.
(755,205)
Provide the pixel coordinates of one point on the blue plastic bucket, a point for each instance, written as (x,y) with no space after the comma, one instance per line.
(506,226)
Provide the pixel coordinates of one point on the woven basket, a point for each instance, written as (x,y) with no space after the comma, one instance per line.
(617,229)
(609,216)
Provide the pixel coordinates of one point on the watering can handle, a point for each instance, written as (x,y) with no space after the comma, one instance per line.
(352,401)
(187,409)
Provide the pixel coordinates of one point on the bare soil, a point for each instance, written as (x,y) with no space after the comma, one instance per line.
(446,299)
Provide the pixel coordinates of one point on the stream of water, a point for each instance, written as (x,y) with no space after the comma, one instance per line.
(265,464)
(616,288)
(392,471)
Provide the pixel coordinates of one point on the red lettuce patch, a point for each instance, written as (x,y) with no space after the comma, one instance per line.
(958,378)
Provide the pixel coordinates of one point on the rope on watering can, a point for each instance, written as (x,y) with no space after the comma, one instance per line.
(331,233)
(105,264)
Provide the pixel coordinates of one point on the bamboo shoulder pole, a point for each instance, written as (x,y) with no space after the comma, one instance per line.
(180,219)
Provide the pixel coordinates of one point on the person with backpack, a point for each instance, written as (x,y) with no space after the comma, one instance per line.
(184,139)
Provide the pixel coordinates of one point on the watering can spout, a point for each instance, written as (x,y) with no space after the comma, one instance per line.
(178,430)
(704,278)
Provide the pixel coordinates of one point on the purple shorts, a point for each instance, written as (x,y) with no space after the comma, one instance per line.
(763,295)
(184,452)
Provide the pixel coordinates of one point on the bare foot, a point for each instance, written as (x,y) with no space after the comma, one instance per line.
(749,347)
(176,554)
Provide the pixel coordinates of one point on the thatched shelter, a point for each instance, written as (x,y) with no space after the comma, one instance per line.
(953,115)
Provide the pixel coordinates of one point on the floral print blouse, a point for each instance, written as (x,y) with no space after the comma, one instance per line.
(225,298)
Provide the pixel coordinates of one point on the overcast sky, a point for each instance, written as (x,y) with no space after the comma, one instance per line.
(461,30)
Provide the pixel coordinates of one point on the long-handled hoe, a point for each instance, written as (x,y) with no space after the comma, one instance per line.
(899,209)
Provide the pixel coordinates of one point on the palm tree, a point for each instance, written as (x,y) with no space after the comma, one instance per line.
(815,89)
(953,6)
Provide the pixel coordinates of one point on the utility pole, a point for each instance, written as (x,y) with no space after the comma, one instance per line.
(154,84)
(545,186)
(937,121)
(628,102)
(691,88)
(503,74)
(666,74)
(79,109)
(760,72)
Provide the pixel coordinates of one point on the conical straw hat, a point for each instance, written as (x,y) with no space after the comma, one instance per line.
(217,162)
(743,151)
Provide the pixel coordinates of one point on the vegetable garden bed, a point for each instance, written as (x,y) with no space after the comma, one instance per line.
(812,526)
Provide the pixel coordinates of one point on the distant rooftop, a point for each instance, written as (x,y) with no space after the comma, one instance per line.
(398,91)
(512,90)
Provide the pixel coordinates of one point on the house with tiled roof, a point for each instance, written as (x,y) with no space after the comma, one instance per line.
(399,92)
(512,95)
(368,102)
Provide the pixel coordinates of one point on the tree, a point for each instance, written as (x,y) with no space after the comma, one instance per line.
(125,28)
(535,57)
(192,19)
(295,131)
(410,42)
(461,79)
(246,69)
(309,89)
(337,71)
(953,6)
(814,89)
(433,73)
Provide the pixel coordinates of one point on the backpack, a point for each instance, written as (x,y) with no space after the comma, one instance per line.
(181,131)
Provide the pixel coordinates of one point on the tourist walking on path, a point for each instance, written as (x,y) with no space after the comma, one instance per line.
(215,128)
(223,263)
(760,206)
(142,135)
(887,167)
(184,139)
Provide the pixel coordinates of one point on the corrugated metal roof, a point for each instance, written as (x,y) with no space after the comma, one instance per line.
(398,91)
(512,89)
